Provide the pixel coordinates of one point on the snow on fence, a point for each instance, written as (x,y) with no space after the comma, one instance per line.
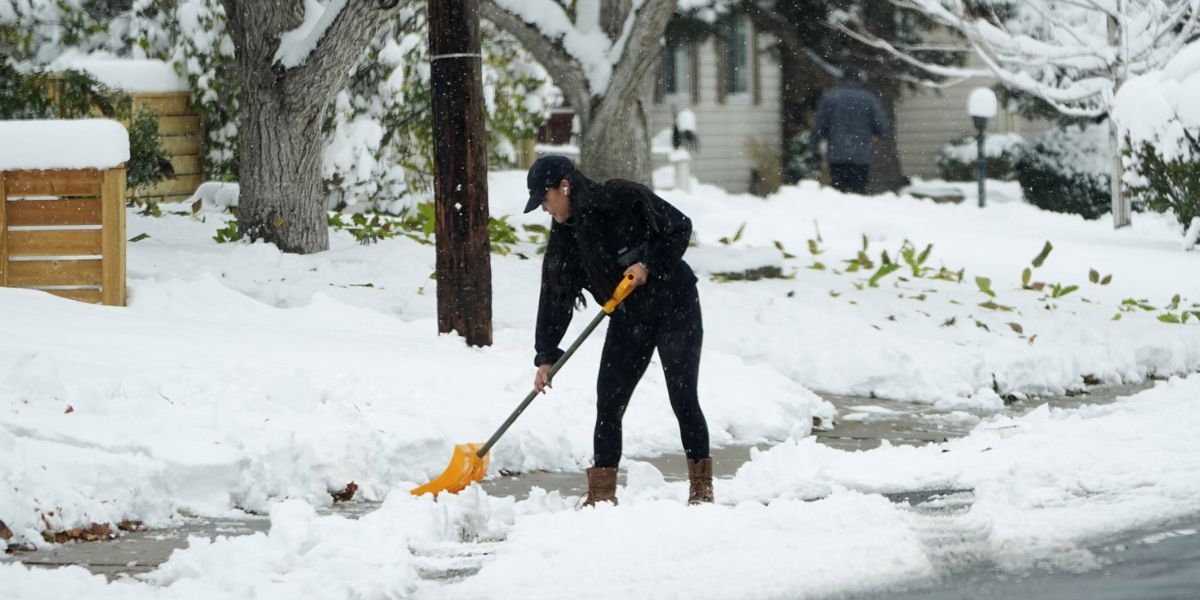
(62,208)
(152,85)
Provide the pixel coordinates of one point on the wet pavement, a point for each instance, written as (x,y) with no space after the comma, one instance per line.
(1149,564)
(1144,565)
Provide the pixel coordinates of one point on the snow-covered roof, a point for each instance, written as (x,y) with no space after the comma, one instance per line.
(128,74)
(62,144)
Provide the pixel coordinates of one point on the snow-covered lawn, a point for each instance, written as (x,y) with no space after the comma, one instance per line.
(242,378)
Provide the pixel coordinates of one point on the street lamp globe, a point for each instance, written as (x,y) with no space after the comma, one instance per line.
(982,105)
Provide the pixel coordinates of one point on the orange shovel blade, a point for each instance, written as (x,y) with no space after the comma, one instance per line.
(465,468)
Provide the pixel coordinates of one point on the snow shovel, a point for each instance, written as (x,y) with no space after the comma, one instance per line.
(469,461)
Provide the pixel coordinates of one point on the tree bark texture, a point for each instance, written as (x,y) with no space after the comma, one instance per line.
(1121,205)
(282,197)
(887,175)
(879,18)
(615,126)
(464,271)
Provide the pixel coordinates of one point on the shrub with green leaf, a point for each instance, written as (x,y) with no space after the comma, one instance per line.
(799,161)
(1168,184)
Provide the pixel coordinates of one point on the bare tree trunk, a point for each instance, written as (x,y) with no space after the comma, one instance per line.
(282,198)
(620,146)
(1121,209)
(886,172)
(464,268)
(879,18)
(278,169)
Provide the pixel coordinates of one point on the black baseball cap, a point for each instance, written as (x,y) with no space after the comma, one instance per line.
(544,174)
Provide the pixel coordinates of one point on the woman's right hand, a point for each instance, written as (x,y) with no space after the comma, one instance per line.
(541,380)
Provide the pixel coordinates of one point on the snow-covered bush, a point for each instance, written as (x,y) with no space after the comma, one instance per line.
(1160,119)
(1066,170)
(957,160)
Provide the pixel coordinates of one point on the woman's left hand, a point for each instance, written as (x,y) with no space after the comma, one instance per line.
(639,272)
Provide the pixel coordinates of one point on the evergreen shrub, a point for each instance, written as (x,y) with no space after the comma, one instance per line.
(1168,184)
(1065,170)
(957,160)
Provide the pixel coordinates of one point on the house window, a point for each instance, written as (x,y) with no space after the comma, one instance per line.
(737,56)
(677,71)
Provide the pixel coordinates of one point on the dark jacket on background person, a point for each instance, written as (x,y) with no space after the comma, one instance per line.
(847,117)
(613,225)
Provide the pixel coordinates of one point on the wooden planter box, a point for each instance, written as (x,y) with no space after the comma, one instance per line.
(63,231)
(181,129)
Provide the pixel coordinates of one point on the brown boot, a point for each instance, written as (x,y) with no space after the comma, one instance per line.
(700,477)
(602,485)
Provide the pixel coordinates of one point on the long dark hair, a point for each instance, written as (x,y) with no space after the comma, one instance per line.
(562,267)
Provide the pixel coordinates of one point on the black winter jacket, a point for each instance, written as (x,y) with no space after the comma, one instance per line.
(613,224)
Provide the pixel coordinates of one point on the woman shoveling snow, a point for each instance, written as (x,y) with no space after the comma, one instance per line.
(603,232)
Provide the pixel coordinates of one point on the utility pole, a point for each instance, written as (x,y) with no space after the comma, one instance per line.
(464,269)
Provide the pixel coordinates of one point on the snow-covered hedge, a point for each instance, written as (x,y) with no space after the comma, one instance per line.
(1067,170)
(957,160)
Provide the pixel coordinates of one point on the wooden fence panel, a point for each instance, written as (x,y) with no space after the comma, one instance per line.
(55,242)
(3,229)
(33,213)
(43,222)
(181,144)
(114,237)
(163,104)
(89,295)
(40,273)
(179,125)
(83,182)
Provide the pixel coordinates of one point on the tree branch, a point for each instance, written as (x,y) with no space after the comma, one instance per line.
(639,54)
(564,70)
(328,65)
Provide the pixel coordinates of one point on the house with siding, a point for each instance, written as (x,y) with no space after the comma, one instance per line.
(731,83)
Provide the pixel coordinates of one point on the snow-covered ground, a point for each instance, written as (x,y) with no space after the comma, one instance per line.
(242,378)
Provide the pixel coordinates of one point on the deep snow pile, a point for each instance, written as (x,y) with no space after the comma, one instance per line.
(239,376)
(1110,468)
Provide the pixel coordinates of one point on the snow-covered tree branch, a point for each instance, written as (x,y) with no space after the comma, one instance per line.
(1073,54)
(598,53)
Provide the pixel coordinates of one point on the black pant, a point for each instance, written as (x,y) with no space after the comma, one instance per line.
(850,177)
(675,328)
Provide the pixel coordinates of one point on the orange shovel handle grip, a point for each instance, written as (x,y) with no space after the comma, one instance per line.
(623,290)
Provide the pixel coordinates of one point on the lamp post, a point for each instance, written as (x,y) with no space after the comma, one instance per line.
(981,105)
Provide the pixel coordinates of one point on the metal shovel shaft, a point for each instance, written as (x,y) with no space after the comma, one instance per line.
(483,450)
